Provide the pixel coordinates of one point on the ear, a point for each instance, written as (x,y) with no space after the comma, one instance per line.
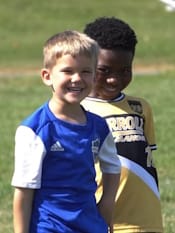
(46,77)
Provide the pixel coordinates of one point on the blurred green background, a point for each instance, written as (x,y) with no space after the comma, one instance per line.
(26,24)
(24,27)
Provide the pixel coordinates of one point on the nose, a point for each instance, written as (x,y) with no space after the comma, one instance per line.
(76,77)
(112,80)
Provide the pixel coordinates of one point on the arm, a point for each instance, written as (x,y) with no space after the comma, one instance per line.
(110,167)
(106,204)
(22,208)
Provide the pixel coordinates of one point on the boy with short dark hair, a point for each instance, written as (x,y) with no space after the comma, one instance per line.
(56,147)
(137,207)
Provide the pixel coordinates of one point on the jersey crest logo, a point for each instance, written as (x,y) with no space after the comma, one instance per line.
(57,147)
(135,106)
(95,146)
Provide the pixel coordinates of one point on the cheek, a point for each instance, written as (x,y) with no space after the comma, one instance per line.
(99,83)
(99,80)
(127,81)
(98,86)
(91,80)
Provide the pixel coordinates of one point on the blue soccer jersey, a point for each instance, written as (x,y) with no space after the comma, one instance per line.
(57,159)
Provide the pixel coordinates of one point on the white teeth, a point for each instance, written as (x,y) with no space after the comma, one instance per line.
(75,89)
(111,89)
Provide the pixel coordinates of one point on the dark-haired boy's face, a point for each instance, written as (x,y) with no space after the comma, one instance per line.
(114,73)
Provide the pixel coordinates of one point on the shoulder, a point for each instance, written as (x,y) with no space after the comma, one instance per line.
(37,119)
(94,104)
(136,98)
(98,123)
(135,102)
(95,117)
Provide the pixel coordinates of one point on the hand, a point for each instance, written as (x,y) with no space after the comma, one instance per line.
(111,229)
(106,211)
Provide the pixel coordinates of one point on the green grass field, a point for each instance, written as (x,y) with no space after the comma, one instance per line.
(25,25)
(158,90)
(20,96)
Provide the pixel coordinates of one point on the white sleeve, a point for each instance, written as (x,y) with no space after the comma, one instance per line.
(108,157)
(29,154)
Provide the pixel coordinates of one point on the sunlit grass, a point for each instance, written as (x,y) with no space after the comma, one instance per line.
(25,25)
(159,91)
(20,96)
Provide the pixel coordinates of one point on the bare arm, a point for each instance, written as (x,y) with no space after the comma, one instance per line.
(107,201)
(22,207)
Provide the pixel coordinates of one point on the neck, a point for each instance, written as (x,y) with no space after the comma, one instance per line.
(72,113)
(93,94)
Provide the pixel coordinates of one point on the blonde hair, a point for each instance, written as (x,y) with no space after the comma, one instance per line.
(69,42)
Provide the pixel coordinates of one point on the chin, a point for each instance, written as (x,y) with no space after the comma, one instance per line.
(108,97)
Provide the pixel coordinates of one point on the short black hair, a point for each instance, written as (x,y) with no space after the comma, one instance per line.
(112,33)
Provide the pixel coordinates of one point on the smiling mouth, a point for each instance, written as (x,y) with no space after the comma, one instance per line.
(111,89)
(75,89)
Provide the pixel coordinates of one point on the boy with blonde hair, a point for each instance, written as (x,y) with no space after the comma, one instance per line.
(56,146)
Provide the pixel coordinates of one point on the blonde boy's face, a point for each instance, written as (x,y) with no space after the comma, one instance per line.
(71,78)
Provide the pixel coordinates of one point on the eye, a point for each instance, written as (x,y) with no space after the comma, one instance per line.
(104,71)
(67,71)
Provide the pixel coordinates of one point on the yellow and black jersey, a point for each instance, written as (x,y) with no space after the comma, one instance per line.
(130,120)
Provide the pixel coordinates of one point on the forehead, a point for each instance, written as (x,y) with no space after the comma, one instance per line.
(80,60)
(114,57)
